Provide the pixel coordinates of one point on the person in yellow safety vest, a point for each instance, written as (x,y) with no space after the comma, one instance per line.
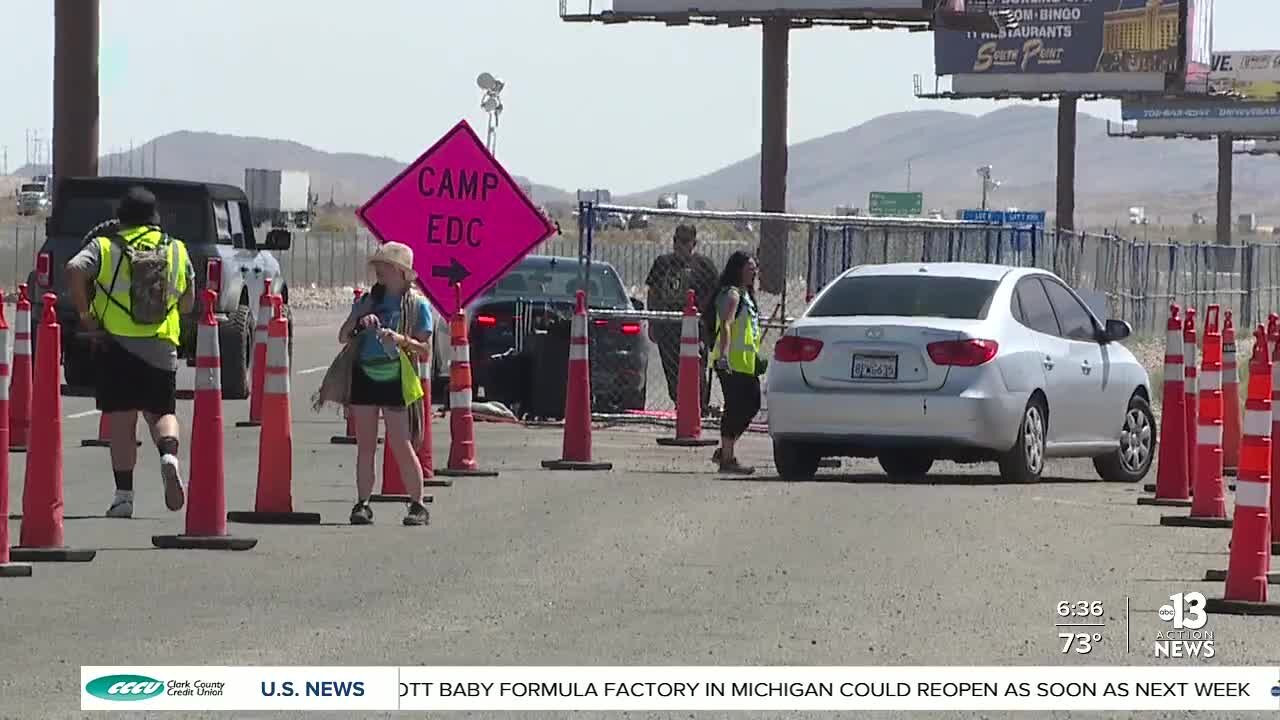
(141,281)
(736,356)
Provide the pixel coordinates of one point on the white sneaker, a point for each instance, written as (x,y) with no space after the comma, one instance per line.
(174,496)
(121,505)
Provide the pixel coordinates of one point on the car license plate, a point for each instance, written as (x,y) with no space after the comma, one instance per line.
(875,367)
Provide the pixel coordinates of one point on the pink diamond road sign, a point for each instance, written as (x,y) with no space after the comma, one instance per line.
(466,219)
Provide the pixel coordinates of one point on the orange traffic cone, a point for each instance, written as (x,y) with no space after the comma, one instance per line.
(206,495)
(1273,338)
(426,455)
(576,447)
(7,569)
(274,501)
(41,534)
(20,391)
(1230,397)
(1208,505)
(350,437)
(1172,484)
(1247,573)
(1190,393)
(689,386)
(462,441)
(260,332)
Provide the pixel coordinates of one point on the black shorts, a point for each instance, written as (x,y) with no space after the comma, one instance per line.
(125,382)
(367,391)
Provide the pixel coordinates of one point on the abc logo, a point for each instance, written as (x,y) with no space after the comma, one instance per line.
(1166,613)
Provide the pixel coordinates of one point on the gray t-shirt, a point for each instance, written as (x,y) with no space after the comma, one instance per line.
(157,353)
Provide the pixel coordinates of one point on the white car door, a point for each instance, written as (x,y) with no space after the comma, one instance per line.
(1038,315)
(1087,374)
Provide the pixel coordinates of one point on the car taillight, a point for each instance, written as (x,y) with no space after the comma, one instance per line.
(213,274)
(600,323)
(486,321)
(44,270)
(630,328)
(793,348)
(962,353)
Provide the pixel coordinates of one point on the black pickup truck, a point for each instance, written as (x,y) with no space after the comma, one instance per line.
(213,221)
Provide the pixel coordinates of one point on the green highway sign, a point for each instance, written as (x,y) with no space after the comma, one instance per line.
(897,204)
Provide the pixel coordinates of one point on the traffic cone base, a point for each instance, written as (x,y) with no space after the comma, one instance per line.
(576,465)
(1164,502)
(1273,578)
(249,424)
(17,448)
(185,395)
(1241,607)
(437,482)
(1196,522)
(687,442)
(15,570)
(252,517)
(54,554)
(449,472)
(192,542)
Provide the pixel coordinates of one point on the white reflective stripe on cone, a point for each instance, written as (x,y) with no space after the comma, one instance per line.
(22,346)
(579,326)
(1275,380)
(689,349)
(277,383)
(1209,435)
(578,351)
(689,328)
(424,369)
(1257,423)
(460,399)
(22,323)
(462,353)
(1173,340)
(208,378)
(1173,373)
(1211,380)
(4,381)
(1252,494)
(278,353)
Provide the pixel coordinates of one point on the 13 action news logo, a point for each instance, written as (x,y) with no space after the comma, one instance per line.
(1187,639)
(130,688)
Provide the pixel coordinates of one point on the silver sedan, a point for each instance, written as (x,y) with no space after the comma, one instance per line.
(916,362)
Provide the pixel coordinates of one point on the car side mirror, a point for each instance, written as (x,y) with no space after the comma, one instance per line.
(1116,331)
(637,303)
(278,240)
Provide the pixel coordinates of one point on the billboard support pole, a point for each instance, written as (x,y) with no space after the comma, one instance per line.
(773,153)
(1066,209)
(1225,173)
(75,89)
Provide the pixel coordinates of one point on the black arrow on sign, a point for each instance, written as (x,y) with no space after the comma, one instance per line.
(455,272)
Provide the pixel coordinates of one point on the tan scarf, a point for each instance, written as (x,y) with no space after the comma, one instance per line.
(335,389)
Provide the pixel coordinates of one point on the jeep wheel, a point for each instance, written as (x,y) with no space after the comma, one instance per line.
(235,342)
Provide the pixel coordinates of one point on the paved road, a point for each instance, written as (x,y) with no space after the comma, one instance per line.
(658,562)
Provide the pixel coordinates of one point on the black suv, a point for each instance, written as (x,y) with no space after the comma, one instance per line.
(214,223)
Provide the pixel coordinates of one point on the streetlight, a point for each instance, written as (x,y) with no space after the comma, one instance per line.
(491,103)
(988,184)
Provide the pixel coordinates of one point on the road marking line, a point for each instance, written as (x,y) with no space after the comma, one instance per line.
(86,413)
(308,371)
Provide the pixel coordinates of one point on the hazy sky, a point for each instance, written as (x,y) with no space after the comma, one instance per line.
(625,108)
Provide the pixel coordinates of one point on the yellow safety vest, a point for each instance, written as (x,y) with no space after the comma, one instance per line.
(112,308)
(744,346)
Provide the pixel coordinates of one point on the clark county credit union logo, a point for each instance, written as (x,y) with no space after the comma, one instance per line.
(129,688)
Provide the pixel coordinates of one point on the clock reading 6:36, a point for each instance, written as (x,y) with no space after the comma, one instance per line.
(1080,608)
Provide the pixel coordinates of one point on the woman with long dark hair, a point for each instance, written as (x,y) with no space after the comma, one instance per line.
(735,354)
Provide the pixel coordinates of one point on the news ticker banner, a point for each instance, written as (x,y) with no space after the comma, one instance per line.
(793,689)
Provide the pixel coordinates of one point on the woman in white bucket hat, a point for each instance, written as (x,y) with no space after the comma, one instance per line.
(389,326)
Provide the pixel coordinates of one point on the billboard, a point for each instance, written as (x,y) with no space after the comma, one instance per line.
(1197,29)
(1252,75)
(1203,117)
(797,7)
(1076,46)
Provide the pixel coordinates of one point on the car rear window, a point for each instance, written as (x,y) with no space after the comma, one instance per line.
(558,282)
(182,214)
(906,296)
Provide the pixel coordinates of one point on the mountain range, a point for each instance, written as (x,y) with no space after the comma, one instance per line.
(1171,179)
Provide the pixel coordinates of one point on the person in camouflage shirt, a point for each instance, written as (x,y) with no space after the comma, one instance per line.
(669,281)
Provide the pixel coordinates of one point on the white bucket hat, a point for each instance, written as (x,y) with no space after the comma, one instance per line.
(398,255)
